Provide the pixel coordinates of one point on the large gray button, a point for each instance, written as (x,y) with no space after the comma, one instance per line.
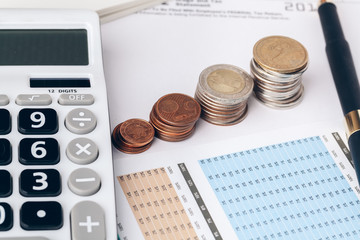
(33,99)
(76,99)
(80,121)
(84,182)
(4,100)
(87,221)
(82,151)
(24,238)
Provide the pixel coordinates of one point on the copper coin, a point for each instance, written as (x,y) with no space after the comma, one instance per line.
(154,120)
(175,138)
(168,132)
(115,136)
(137,132)
(133,136)
(177,109)
(133,150)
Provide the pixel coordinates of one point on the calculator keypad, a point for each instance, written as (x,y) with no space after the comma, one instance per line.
(38,121)
(87,217)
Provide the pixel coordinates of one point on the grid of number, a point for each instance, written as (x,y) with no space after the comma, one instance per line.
(292,190)
(156,205)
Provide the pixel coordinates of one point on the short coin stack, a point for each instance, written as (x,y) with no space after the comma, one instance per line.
(277,66)
(223,91)
(174,117)
(133,136)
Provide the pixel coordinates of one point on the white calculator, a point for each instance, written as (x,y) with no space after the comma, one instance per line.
(56,170)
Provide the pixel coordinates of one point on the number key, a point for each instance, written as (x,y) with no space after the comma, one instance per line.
(40,183)
(38,121)
(5,152)
(6,217)
(5,184)
(5,121)
(39,151)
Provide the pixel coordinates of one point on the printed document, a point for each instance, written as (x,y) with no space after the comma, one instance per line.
(279,174)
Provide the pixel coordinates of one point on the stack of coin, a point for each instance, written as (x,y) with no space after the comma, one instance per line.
(277,66)
(223,91)
(174,117)
(133,136)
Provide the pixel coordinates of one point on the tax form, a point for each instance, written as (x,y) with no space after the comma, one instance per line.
(203,188)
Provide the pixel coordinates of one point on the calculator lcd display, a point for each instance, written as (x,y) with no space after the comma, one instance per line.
(43,47)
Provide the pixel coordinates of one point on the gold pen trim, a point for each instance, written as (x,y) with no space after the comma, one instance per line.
(352,122)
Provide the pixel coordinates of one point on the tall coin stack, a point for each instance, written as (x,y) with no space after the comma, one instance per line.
(223,91)
(277,66)
(174,117)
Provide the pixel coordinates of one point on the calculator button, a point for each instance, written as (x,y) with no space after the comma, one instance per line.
(87,221)
(5,152)
(4,100)
(5,121)
(39,151)
(38,121)
(41,216)
(76,99)
(33,99)
(82,151)
(6,217)
(5,184)
(84,182)
(40,183)
(80,121)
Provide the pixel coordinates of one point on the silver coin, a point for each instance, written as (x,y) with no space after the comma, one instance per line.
(277,93)
(274,81)
(281,104)
(277,75)
(226,122)
(277,90)
(204,100)
(222,92)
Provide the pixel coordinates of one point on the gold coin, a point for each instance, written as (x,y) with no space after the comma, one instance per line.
(280,54)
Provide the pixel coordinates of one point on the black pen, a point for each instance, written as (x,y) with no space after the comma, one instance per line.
(344,75)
